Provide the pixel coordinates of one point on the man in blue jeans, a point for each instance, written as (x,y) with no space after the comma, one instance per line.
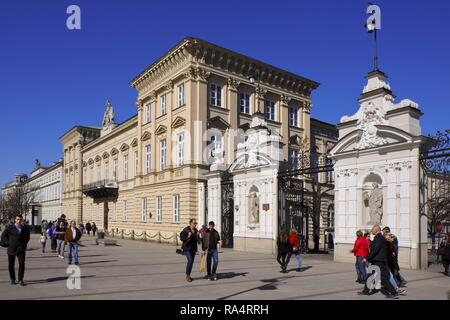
(209,244)
(71,237)
(189,236)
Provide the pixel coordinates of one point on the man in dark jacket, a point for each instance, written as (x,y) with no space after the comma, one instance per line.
(445,251)
(378,256)
(189,237)
(209,244)
(71,238)
(16,238)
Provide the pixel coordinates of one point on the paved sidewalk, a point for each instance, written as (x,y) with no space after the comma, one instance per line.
(145,270)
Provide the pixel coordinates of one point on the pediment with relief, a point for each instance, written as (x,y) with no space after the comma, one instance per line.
(218,123)
(390,135)
(124,147)
(134,143)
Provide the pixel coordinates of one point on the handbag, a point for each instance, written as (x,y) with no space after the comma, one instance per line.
(203,262)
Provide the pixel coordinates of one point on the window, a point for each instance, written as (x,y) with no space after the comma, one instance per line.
(99,173)
(180,149)
(125,167)
(293,156)
(136,163)
(144,210)
(148,113)
(244,102)
(176,208)
(181,95)
(270,110)
(158,209)
(162,154)
(293,117)
(148,158)
(215,94)
(125,210)
(115,169)
(163,105)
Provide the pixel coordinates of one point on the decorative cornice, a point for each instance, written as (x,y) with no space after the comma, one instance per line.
(285,99)
(105,155)
(124,147)
(307,106)
(134,143)
(146,136)
(260,92)
(233,83)
(98,158)
(139,104)
(114,151)
(178,122)
(169,85)
(161,129)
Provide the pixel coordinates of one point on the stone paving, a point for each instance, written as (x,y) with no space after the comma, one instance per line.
(146,270)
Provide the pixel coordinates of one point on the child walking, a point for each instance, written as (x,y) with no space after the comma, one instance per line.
(43,240)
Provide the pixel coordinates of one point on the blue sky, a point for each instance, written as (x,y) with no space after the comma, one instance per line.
(52,78)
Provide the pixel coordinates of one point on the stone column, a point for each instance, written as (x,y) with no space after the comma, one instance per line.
(201,203)
(141,151)
(215,198)
(284,119)
(230,137)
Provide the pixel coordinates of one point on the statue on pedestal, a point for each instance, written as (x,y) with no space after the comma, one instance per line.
(374,200)
(253,207)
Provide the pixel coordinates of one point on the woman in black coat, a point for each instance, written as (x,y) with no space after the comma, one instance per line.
(283,249)
(445,250)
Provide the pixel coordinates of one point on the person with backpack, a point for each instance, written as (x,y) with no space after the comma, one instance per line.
(189,237)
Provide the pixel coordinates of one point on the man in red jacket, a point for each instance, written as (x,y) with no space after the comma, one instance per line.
(360,250)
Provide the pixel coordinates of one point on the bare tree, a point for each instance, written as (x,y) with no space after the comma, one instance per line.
(18,200)
(437,203)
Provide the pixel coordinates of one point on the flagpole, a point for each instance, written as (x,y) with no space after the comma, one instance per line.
(376,51)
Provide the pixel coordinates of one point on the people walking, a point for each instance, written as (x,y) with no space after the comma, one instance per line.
(445,249)
(294,242)
(360,250)
(378,256)
(81,227)
(283,250)
(71,238)
(94,228)
(43,240)
(392,264)
(88,228)
(16,238)
(52,236)
(401,280)
(210,241)
(60,231)
(189,237)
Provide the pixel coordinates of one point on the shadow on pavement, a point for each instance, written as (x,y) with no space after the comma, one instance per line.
(229,275)
(56,279)
(93,262)
(302,269)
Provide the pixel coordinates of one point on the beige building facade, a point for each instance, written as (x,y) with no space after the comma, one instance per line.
(143,175)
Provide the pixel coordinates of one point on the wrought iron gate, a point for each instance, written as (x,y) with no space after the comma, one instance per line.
(435,185)
(300,196)
(227,188)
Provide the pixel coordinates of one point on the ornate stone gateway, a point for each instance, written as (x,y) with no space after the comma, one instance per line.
(227,189)
(435,186)
(377,165)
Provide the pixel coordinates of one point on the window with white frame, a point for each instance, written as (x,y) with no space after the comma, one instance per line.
(136,163)
(176,208)
(293,158)
(115,170)
(106,170)
(148,158)
(180,149)
(163,104)
(293,116)
(148,112)
(270,110)
(181,95)
(144,210)
(162,154)
(159,209)
(244,102)
(215,94)
(125,210)
(99,173)
(125,167)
